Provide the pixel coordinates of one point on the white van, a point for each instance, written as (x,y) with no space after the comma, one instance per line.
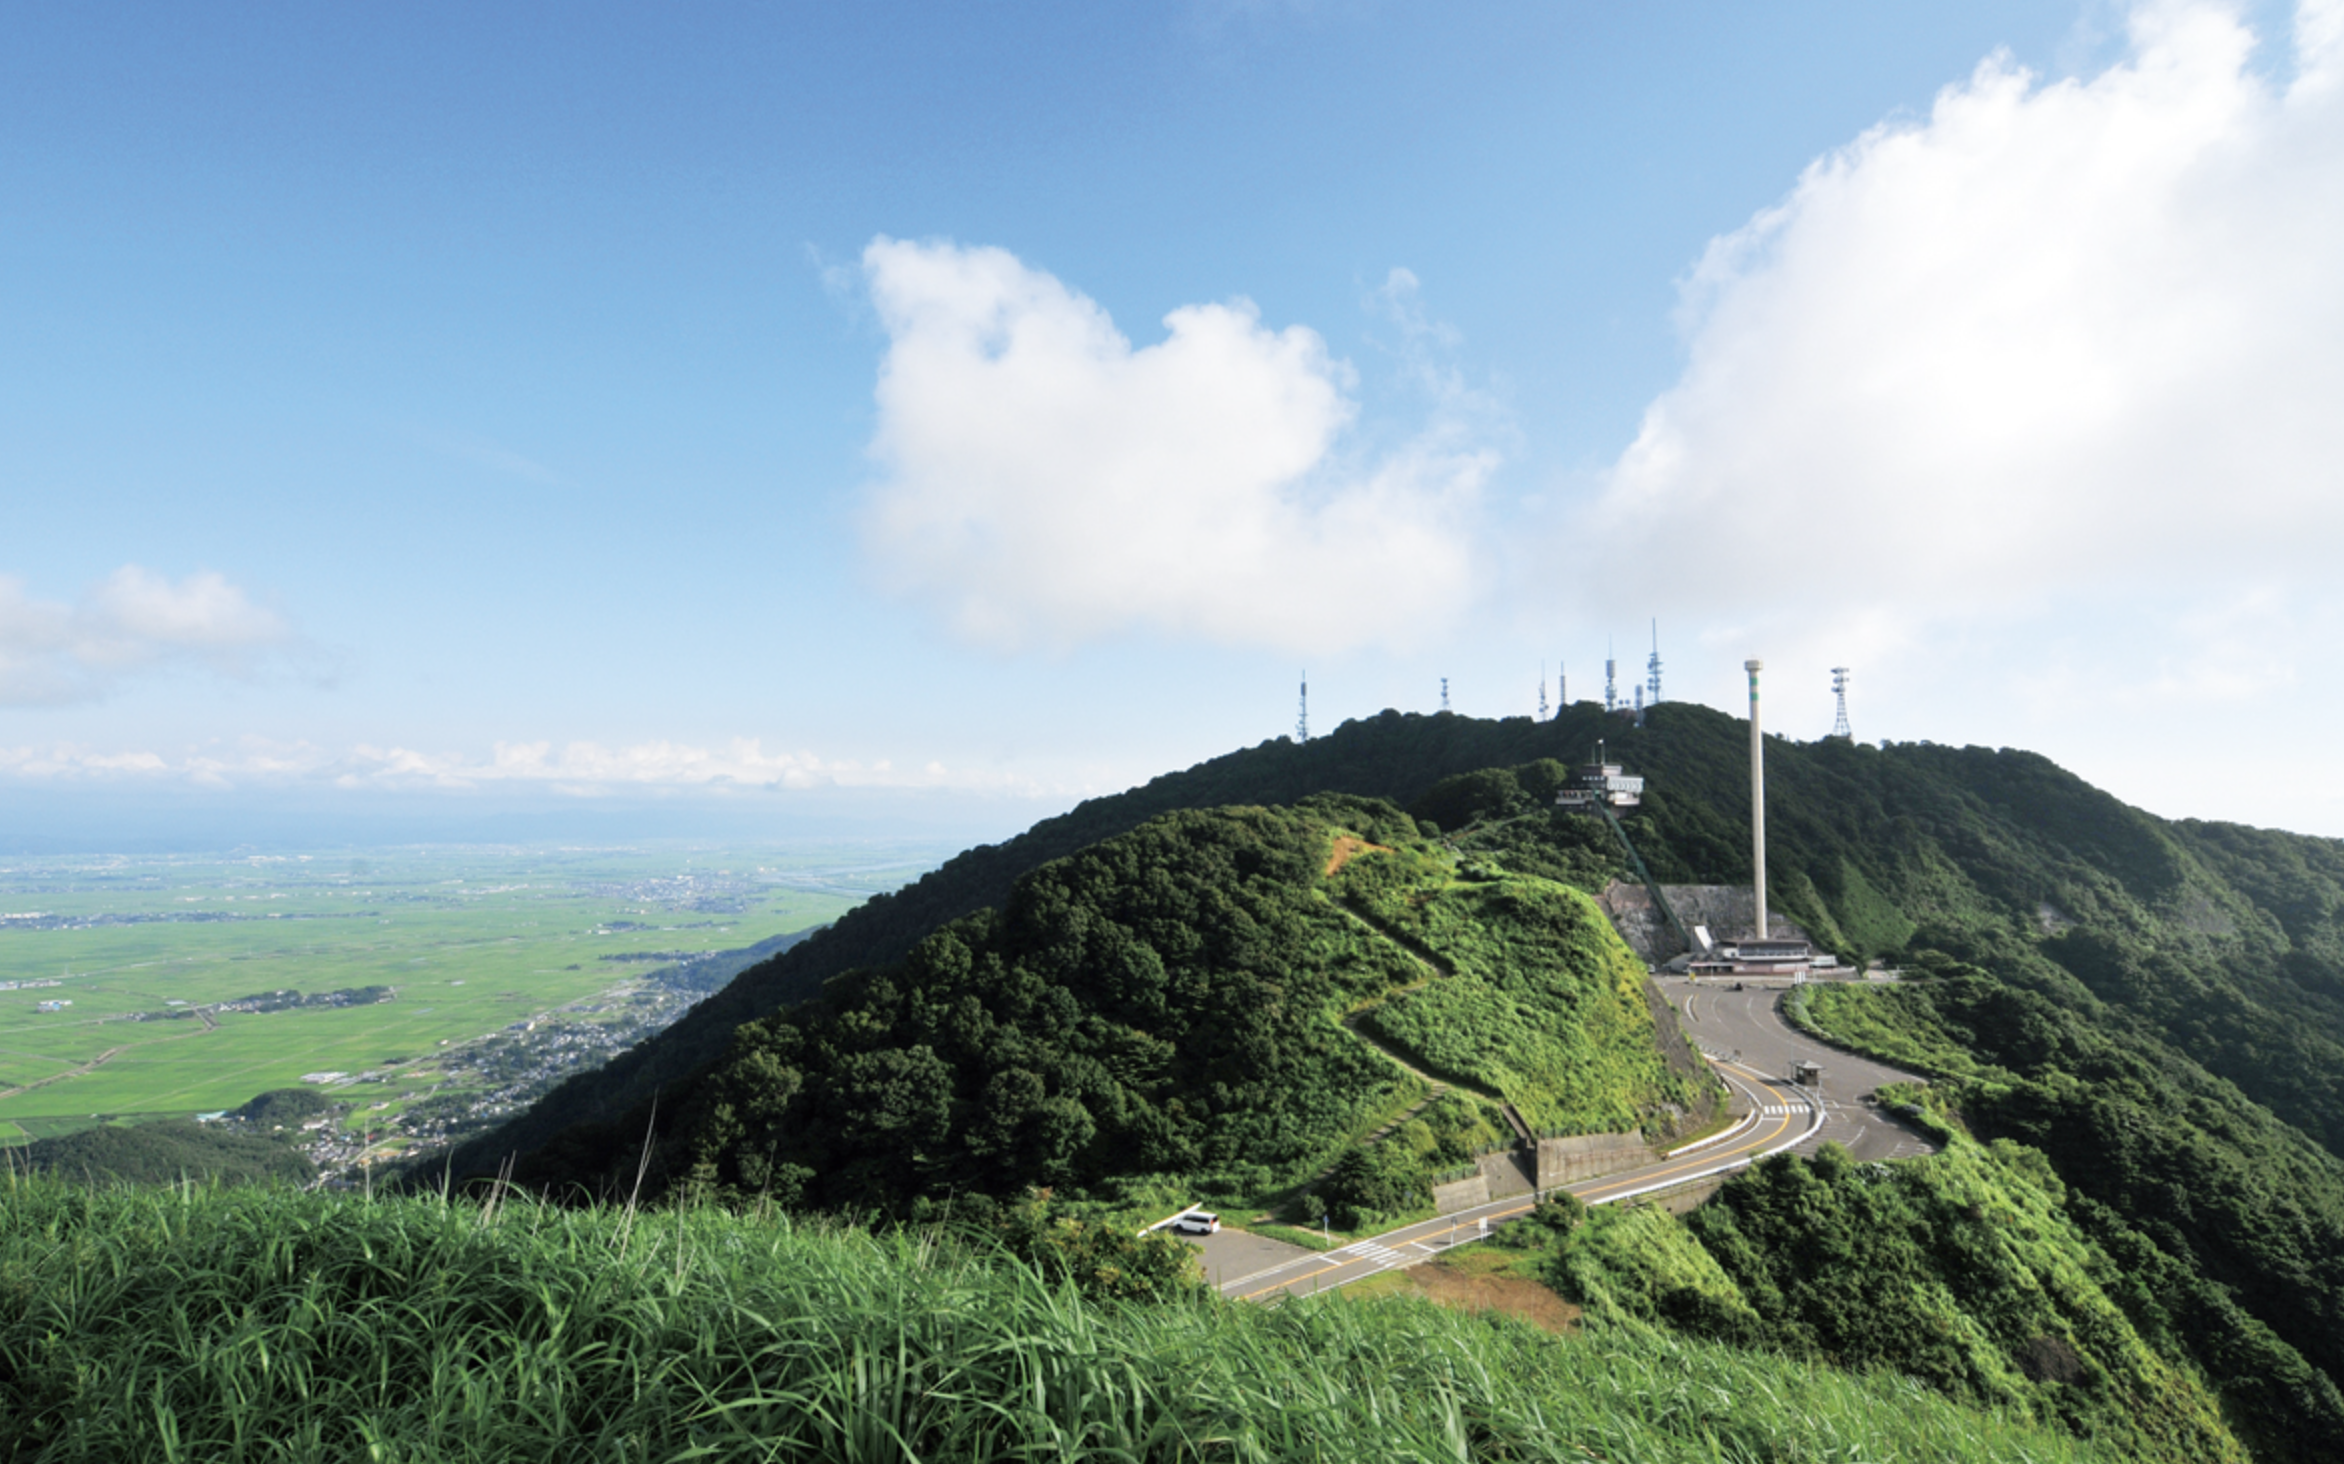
(1196,1222)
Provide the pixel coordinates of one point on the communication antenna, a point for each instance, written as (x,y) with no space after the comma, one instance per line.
(1611,693)
(1444,693)
(1652,669)
(1302,722)
(1839,684)
(1542,691)
(1562,689)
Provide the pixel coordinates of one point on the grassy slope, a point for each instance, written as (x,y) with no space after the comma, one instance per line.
(265,1325)
(1963,1271)
(1545,1005)
(2228,1224)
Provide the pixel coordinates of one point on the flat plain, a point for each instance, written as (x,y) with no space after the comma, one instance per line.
(114,969)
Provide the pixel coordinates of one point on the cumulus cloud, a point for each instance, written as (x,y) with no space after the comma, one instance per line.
(2040,389)
(1043,480)
(2083,332)
(133,620)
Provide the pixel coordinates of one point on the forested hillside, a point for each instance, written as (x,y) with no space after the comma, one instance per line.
(2155,1008)
(1965,1271)
(1225,1000)
(2227,942)
(1391,756)
(164,1153)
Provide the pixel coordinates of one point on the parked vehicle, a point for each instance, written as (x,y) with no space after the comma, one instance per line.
(1197,1222)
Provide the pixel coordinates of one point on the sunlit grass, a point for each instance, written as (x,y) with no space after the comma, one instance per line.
(253,1324)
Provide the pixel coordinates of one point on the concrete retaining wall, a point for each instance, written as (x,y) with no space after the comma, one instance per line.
(1462,1194)
(1562,1161)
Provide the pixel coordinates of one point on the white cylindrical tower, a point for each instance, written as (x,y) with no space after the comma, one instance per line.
(1757,801)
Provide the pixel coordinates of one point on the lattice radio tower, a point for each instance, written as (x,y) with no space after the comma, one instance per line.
(1444,693)
(1652,670)
(1302,721)
(1839,685)
(1542,691)
(1611,689)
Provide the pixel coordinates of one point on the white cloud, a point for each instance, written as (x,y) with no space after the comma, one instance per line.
(2048,385)
(132,620)
(2086,330)
(1045,481)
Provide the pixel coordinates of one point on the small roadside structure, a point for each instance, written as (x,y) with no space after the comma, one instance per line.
(1774,956)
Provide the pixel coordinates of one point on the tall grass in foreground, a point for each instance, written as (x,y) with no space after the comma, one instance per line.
(255,1324)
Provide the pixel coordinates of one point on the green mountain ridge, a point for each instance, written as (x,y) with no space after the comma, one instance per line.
(2155,1010)
(1391,756)
(1220,1001)
(1872,849)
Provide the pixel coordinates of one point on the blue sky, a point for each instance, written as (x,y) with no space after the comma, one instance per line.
(757,414)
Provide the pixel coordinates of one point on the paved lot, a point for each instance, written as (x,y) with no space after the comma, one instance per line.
(1233,1255)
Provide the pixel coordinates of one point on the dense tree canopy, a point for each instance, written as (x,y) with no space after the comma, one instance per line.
(1229,997)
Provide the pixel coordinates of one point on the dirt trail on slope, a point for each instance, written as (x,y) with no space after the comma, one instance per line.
(1453,1285)
(1348,848)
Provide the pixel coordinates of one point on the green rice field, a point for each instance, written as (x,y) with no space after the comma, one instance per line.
(105,959)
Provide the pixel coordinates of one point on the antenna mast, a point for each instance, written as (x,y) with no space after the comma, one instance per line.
(1839,684)
(1542,691)
(1302,722)
(1611,694)
(1652,669)
(1444,693)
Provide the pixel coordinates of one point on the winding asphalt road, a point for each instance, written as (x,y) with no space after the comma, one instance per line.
(1749,1045)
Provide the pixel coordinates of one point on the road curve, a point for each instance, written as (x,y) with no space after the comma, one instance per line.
(1750,1046)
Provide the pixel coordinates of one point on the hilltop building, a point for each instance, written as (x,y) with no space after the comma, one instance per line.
(1600,784)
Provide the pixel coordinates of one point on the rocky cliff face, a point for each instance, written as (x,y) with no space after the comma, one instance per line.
(1724,909)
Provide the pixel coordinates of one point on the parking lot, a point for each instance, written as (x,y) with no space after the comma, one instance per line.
(1231,1255)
